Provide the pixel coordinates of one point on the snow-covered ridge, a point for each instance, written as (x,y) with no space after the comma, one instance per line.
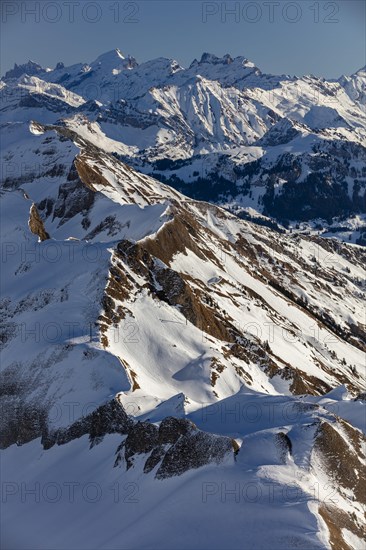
(94,198)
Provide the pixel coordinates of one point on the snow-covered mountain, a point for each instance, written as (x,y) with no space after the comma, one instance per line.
(220,130)
(174,375)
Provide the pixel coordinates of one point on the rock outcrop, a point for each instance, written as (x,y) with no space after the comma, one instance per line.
(107,419)
(36,224)
(177,446)
(192,451)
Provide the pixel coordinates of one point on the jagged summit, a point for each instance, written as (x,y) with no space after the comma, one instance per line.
(212,59)
(31,68)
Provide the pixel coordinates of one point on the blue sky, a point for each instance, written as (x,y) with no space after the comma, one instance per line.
(318,37)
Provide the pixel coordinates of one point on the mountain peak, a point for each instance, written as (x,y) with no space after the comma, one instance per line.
(114,59)
(214,60)
(209,58)
(115,54)
(225,60)
(31,68)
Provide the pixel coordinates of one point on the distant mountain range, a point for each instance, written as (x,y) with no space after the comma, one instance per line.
(291,148)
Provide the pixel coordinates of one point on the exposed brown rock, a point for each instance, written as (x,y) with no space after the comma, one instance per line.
(301,382)
(36,224)
(176,236)
(336,520)
(89,175)
(341,461)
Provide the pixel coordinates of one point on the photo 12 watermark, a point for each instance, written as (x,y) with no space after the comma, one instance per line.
(71,12)
(266,492)
(69,492)
(270,12)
